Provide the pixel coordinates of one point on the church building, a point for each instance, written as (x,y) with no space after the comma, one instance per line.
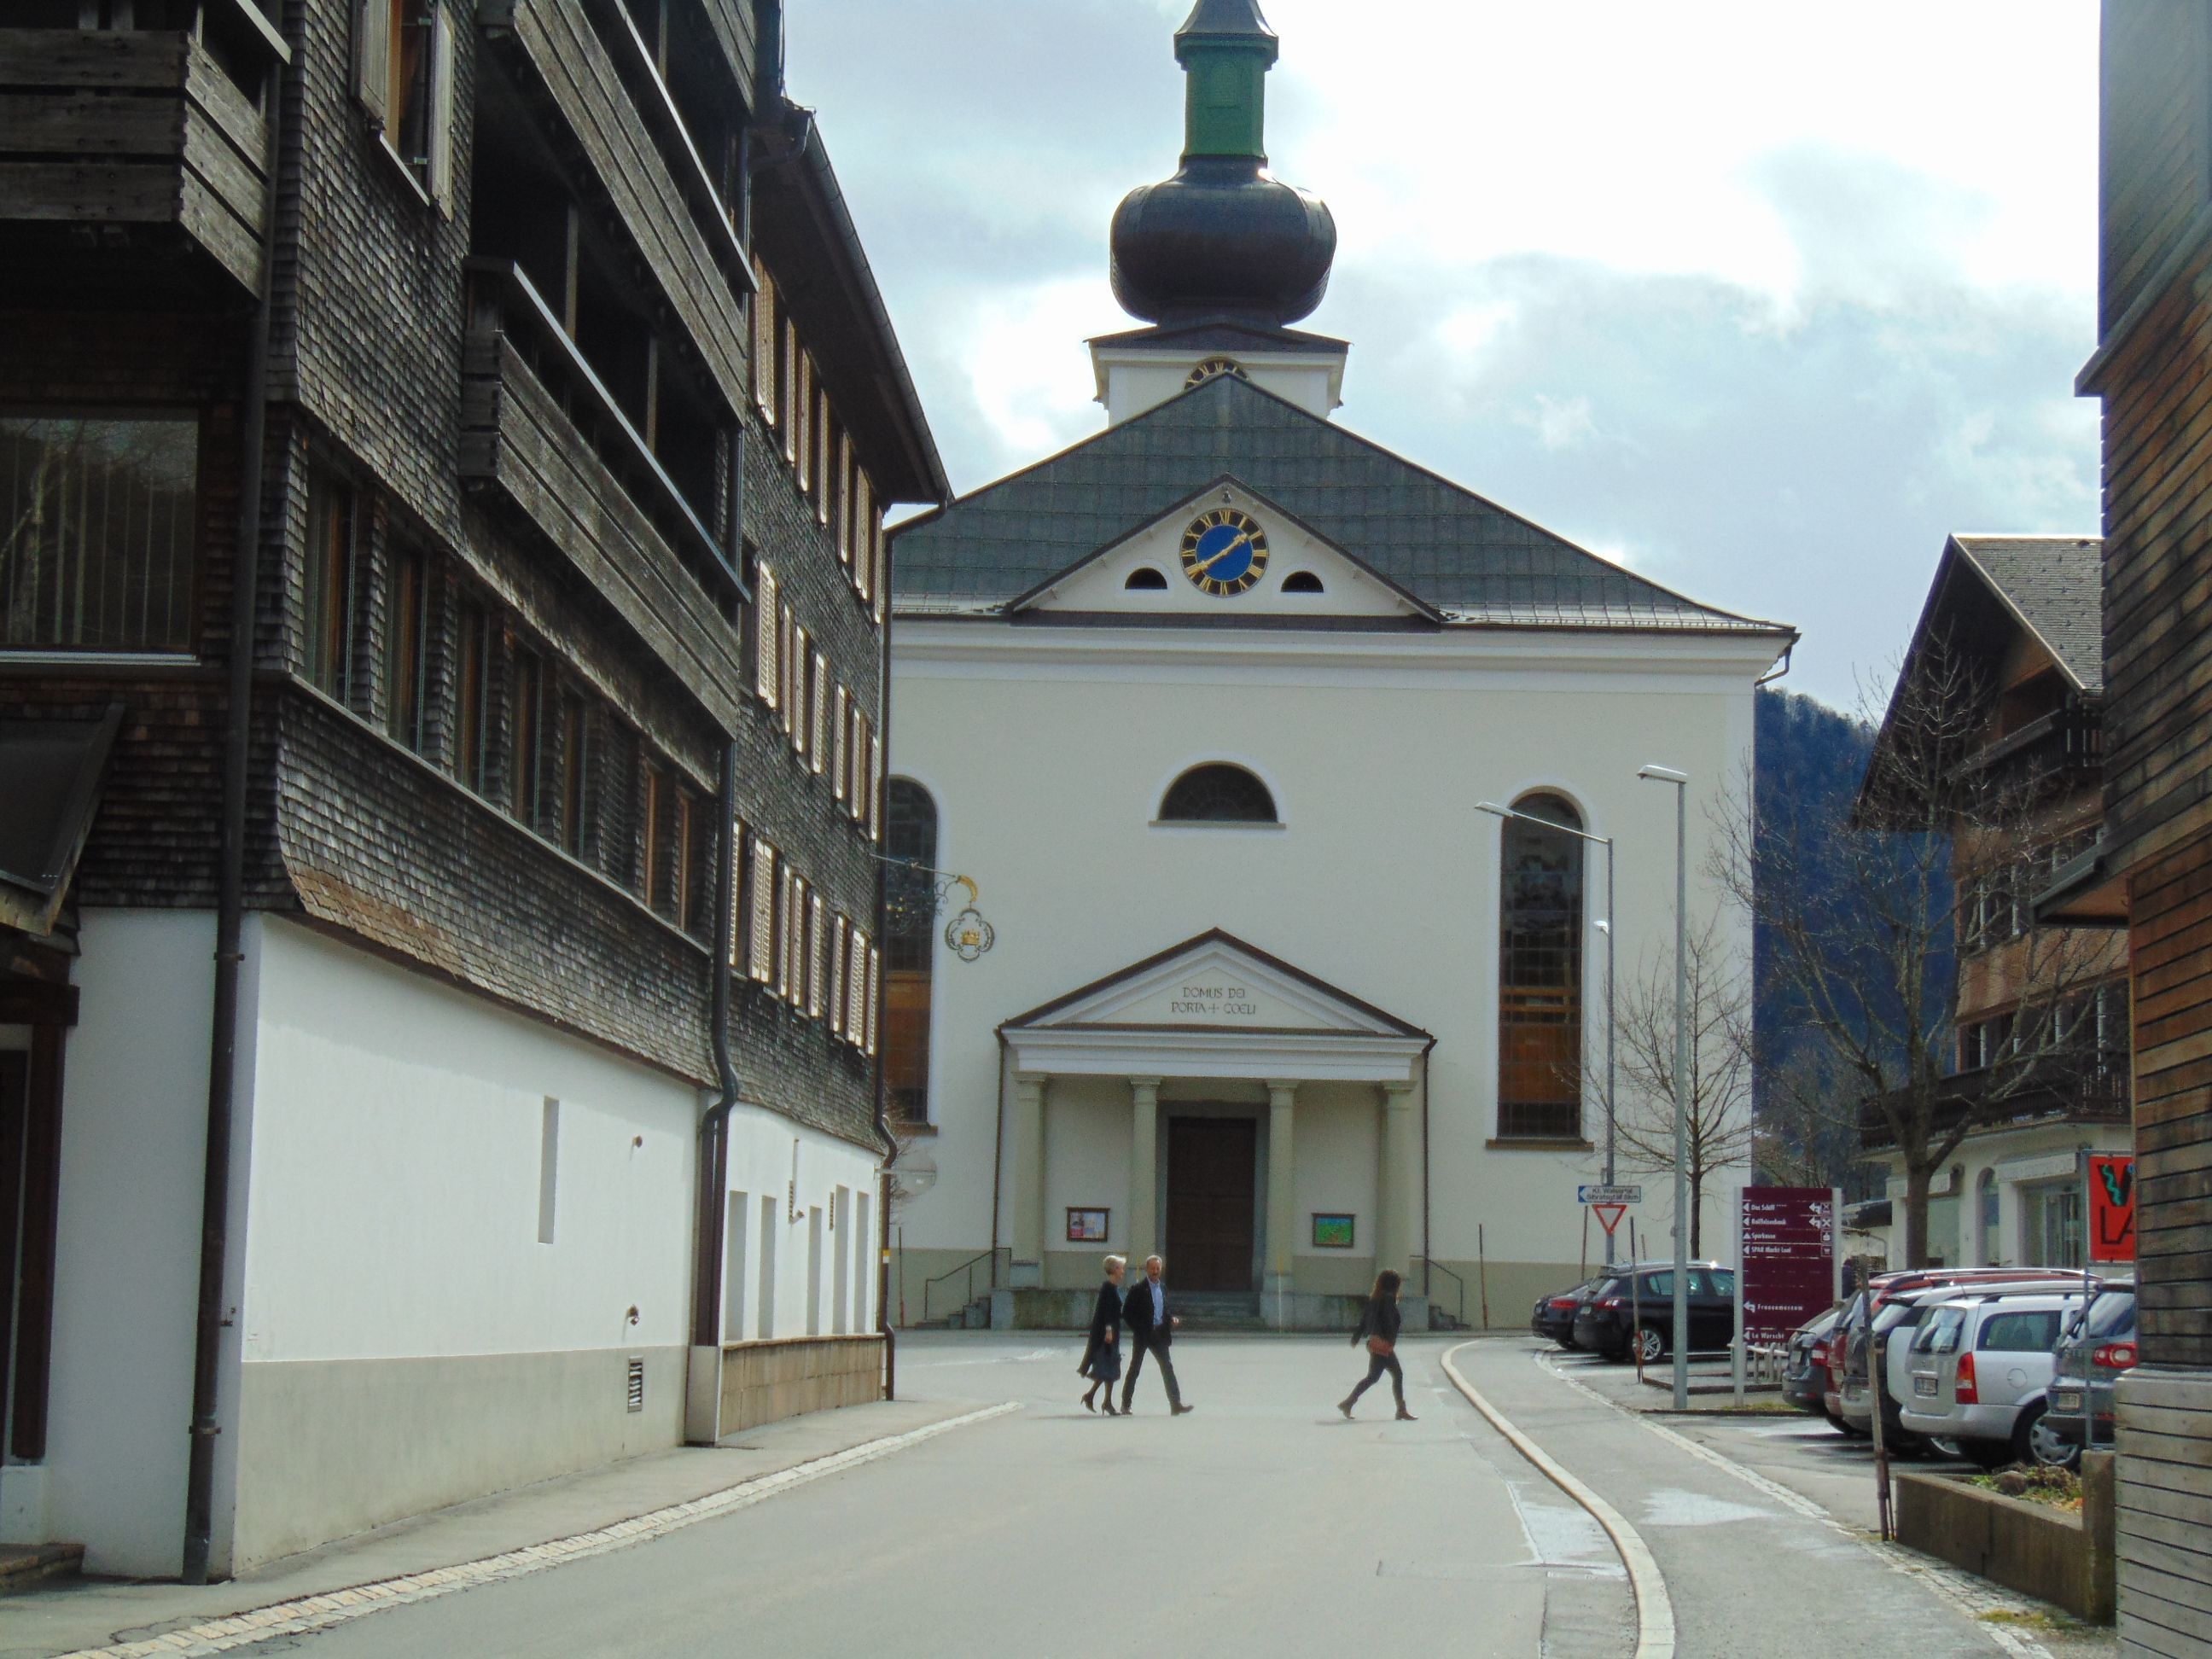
(1207,709)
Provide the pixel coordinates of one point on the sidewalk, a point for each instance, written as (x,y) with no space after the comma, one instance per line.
(96,1612)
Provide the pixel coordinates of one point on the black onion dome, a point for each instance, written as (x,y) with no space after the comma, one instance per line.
(1222,235)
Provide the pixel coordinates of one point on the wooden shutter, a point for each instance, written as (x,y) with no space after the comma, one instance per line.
(802,439)
(864,515)
(761,956)
(372,59)
(818,706)
(763,343)
(834,1001)
(818,943)
(875,789)
(881,563)
(766,629)
(874,995)
(440,112)
(842,717)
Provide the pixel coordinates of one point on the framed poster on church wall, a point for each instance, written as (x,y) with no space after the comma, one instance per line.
(1331,1231)
(1087,1226)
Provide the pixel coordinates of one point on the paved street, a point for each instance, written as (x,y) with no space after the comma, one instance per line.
(1262,1523)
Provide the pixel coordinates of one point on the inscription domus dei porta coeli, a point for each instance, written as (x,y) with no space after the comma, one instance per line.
(1214,1002)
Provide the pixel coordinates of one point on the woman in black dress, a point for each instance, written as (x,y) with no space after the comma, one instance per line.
(1378,1326)
(1102,1356)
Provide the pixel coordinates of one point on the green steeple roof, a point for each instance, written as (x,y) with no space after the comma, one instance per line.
(1226,49)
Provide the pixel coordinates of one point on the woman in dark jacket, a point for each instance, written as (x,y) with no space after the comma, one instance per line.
(1378,1326)
(1102,1356)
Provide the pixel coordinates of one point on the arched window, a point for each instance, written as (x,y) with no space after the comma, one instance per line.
(1219,793)
(909,947)
(1147,578)
(1540,974)
(1302,581)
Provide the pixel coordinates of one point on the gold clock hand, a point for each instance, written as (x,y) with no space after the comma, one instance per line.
(1203,566)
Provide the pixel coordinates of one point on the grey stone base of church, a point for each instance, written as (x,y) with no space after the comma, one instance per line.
(1027,1308)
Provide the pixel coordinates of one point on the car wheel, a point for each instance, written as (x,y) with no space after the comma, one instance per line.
(2034,1441)
(1902,1443)
(1569,1343)
(1650,1344)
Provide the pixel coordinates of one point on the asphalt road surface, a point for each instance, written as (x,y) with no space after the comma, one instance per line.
(1262,1523)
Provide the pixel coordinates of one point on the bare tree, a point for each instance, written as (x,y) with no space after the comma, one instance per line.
(1857,905)
(1718,1133)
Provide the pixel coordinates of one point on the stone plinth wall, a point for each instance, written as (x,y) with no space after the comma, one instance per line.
(2033,1549)
(764,1382)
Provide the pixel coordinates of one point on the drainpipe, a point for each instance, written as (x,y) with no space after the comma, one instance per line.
(1427,1263)
(209,1322)
(715,1125)
(876,1015)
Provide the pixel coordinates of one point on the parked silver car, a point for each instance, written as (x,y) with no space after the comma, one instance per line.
(2097,1350)
(1981,1367)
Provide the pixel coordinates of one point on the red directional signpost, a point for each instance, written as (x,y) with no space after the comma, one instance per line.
(1789,1259)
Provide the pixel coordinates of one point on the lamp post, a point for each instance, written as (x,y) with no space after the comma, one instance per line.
(1605,927)
(1680,1343)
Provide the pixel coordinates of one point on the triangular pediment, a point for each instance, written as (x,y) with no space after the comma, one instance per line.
(1304,573)
(1214,982)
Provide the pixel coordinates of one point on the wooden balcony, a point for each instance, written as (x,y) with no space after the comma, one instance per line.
(2087,1088)
(565,73)
(143,136)
(539,427)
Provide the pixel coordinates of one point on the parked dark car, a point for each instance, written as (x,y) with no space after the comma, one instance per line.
(1553,1318)
(1633,1312)
(2092,1356)
(1805,1371)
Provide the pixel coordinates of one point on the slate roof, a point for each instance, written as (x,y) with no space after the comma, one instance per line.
(1472,560)
(2056,585)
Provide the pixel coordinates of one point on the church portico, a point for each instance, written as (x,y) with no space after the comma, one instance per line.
(1216,1106)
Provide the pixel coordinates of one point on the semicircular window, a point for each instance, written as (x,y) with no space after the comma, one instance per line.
(1302,581)
(1147,579)
(1219,793)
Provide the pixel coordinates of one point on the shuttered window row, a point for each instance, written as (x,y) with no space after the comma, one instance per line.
(785,936)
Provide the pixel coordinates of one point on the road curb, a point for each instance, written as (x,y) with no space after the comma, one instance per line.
(308,1615)
(1655,1609)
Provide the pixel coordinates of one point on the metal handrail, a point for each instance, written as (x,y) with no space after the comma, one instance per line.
(1430,1264)
(968,1267)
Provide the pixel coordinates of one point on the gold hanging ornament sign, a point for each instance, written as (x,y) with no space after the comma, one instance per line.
(968,935)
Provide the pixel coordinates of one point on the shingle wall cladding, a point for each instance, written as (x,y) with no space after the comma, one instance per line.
(370,314)
(786,1061)
(379,844)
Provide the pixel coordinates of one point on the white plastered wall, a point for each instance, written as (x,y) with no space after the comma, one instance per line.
(134,1123)
(1046,751)
(798,1171)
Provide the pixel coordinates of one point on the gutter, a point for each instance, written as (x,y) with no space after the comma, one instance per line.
(209,1321)
(882,931)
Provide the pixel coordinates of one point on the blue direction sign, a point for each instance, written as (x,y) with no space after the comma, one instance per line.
(1589,1194)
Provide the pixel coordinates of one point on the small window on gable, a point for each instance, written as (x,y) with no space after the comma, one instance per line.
(1146,580)
(1302,581)
(1219,793)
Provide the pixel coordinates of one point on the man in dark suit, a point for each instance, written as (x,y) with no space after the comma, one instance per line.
(1151,1329)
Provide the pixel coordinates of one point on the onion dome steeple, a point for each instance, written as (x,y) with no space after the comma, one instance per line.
(1223,237)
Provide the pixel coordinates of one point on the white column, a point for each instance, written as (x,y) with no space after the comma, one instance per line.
(1282,1193)
(1397,1195)
(1027,1163)
(1144,1171)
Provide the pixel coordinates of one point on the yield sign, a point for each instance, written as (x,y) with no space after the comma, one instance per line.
(1609,1216)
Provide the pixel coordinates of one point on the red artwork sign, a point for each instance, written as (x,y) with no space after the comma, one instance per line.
(1789,1259)
(2111,1208)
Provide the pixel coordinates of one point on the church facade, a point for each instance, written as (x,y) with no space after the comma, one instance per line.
(1210,708)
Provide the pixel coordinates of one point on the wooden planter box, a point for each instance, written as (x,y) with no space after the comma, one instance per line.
(2049,1554)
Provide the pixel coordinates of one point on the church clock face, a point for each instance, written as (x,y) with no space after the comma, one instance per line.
(1224,552)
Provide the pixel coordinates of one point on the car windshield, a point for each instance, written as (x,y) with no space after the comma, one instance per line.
(2113,1314)
(1896,1314)
(2022,1331)
(1941,1333)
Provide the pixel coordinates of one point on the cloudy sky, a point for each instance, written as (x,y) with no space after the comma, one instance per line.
(1761,299)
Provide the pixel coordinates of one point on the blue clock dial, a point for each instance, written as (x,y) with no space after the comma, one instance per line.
(1224,552)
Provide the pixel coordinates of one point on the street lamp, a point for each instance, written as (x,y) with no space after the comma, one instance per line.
(1605,927)
(1681,1339)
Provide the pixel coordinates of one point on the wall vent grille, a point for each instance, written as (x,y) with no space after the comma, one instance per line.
(637,1382)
